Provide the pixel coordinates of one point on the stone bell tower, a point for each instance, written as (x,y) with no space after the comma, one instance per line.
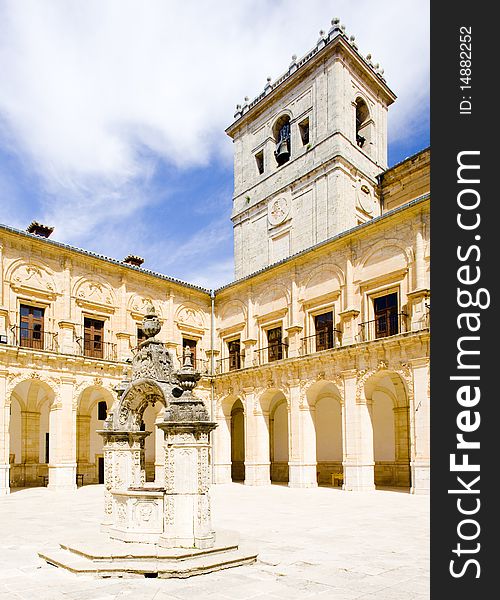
(307,152)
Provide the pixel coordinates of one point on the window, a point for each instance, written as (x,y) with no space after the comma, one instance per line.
(386,315)
(363,123)
(281,131)
(259,159)
(102,410)
(324,331)
(304,131)
(31,327)
(234,354)
(93,343)
(275,345)
(191,344)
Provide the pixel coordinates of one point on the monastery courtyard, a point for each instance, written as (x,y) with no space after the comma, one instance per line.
(312,543)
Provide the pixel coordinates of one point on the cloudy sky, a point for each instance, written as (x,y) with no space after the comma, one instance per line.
(112,112)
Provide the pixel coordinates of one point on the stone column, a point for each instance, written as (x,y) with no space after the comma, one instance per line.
(4,436)
(349,316)
(419,414)
(302,461)
(122,465)
(124,350)
(294,340)
(358,460)
(257,459)
(222,450)
(62,419)
(187,516)
(83,438)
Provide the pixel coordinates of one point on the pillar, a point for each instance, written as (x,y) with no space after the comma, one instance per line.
(420,432)
(257,459)
(62,428)
(4,436)
(358,463)
(187,515)
(302,432)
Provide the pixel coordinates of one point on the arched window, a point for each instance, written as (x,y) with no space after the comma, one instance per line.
(363,124)
(102,410)
(281,133)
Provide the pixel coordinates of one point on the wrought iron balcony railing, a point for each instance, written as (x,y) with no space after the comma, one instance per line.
(34,338)
(270,353)
(97,349)
(383,326)
(323,340)
(230,363)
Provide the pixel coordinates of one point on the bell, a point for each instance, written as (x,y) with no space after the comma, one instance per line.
(282,152)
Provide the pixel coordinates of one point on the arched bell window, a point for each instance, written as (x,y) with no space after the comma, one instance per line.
(281,132)
(363,124)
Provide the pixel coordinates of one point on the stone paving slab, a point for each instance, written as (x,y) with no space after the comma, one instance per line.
(312,543)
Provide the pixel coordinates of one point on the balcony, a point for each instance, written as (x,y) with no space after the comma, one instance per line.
(231,363)
(270,354)
(96,349)
(34,339)
(323,340)
(383,326)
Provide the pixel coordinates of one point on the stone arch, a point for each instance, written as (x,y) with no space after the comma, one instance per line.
(274,405)
(272,299)
(237,417)
(325,401)
(30,400)
(89,444)
(388,404)
(364,124)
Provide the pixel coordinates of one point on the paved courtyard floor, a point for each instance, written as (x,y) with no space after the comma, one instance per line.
(312,543)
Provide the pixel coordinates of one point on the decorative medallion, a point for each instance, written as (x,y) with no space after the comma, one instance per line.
(278,211)
(365,199)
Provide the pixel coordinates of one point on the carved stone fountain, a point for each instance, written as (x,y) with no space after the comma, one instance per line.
(152,530)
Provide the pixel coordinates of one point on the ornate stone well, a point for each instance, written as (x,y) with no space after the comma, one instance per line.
(148,528)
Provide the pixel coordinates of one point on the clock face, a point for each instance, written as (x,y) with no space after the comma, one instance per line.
(278,211)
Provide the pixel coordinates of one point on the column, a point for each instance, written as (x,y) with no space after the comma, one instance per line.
(302,453)
(4,436)
(420,432)
(62,428)
(417,299)
(358,463)
(222,450)
(257,459)
(122,466)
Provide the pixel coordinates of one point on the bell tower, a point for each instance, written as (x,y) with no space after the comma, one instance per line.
(307,152)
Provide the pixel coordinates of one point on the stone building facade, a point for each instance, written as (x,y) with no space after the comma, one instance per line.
(315,360)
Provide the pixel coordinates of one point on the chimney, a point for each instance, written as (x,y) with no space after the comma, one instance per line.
(38,229)
(135,261)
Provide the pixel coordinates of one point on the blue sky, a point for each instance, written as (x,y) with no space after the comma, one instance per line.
(112,114)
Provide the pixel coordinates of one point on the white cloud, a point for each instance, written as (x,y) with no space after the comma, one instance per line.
(94,93)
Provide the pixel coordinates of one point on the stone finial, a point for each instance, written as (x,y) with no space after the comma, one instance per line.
(268,87)
(150,323)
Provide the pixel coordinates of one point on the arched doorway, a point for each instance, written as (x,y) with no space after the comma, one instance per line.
(237,441)
(154,459)
(93,406)
(29,433)
(326,410)
(390,419)
(279,440)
